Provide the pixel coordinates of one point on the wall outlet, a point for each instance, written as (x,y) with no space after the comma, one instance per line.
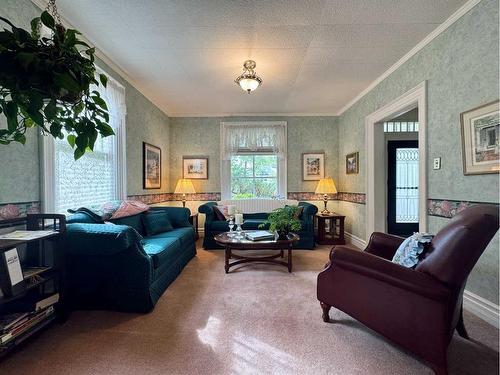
(437,163)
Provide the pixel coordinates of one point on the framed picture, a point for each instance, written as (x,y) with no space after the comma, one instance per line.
(352,163)
(195,168)
(151,160)
(313,166)
(480,139)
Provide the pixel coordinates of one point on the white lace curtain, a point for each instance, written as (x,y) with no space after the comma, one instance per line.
(253,137)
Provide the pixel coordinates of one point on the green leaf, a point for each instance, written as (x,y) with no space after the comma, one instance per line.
(103,79)
(36,101)
(106,130)
(11,114)
(35,30)
(48,20)
(67,82)
(19,137)
(55,130)
(50,110)
(92,138)
(81,141)
(37,117)
(71,140)
(100,102)
(78,153)
(25,58)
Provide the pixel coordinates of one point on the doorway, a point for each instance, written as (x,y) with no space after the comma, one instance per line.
(402,187)
(376,160)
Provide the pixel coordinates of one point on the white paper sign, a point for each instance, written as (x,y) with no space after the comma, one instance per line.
(13,266)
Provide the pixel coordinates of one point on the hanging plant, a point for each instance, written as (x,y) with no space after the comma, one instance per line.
(46,83)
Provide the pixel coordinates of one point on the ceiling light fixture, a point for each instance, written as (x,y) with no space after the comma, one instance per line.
(249,80)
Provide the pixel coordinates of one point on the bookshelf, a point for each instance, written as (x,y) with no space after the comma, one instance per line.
(31,278)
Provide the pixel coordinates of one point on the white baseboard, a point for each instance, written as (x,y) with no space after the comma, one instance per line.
(481,307)
(355,240)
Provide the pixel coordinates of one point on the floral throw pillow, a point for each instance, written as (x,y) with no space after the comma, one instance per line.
(129,208)
(411,250)
(222,212)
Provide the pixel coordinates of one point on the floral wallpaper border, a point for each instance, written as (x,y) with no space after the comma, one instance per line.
(300,196)
(18,210)
(448,208)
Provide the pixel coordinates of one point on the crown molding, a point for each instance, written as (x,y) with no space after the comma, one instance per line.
(464,9)
(224,114)
(42,4)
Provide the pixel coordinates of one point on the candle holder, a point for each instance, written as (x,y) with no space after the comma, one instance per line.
(239,231)
(231,227)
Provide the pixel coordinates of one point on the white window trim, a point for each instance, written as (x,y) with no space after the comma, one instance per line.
(225,165)
(48,157)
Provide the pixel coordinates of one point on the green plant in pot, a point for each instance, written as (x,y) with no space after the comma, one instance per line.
(47,83)
(283,221)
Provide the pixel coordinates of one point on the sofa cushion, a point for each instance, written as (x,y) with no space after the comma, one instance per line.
(156,222)
(162,249)
(185,235)
(253,224)
(132,221)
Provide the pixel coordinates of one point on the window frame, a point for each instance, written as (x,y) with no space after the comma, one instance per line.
(48,159)
(225,165)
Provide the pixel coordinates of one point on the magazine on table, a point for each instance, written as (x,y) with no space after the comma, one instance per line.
(26,235)
(260,235)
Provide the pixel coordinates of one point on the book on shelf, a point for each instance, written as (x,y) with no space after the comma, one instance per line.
(11,274)
(259,235)
(31,303)
(27,235)
(10,321)
(26,325)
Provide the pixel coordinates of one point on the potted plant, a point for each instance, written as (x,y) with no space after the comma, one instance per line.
(46,82)
(283,221)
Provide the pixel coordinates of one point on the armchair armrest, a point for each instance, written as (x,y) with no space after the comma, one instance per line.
(308,214)
(208,210)
(179,216)
(391,273)
(100,239)
(383,245)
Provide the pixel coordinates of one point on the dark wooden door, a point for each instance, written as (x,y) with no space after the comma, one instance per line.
(402,187)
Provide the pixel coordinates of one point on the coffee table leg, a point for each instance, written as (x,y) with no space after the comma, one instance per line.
(282,254)
(226,260)
(290,259)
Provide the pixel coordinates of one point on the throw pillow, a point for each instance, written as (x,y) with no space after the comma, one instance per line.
(156,222)
(129,208)
(222,212)
(298,211)
(411,250)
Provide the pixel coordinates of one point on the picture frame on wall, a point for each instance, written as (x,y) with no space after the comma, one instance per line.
(195,167)
(352,163)
(480,129)
(151,162)
(313,166)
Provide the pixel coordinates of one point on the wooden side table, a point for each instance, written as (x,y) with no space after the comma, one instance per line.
(329,229)
(193,219)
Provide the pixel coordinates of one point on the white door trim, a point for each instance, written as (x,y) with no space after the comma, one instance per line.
(376,182)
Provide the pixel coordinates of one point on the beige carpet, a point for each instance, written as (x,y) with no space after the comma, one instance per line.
(257,320)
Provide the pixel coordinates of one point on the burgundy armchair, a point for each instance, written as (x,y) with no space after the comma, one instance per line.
(418,309)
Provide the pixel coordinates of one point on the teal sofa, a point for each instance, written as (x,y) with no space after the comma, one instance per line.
(213,226)
(118,267)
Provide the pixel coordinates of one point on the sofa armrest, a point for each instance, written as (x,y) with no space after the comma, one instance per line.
(308,215)
(208,210)
(179,216)
(391,273)
(100,239)
(383,245)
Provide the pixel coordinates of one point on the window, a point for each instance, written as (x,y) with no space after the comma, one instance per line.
(254,176)
(253,158)
(407,185)
(98,176)
(400,127)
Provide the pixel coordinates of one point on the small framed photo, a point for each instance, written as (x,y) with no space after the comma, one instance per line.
(352,163)
(313,166)
(151,161)
(195,167)
(480,139)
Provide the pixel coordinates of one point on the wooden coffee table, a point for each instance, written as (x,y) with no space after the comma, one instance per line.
(232,243)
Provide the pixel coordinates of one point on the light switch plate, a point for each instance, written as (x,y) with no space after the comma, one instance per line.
(437,163)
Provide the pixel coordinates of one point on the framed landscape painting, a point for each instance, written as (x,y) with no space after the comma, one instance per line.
(195,167)
(480,139)
(313,166)
(352,163)
(151,161)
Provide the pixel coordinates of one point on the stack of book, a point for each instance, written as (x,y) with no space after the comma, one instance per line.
(30,316)
(259,235)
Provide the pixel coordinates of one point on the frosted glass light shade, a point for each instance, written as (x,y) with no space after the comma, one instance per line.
(326,186)
(184,186)
(248,84)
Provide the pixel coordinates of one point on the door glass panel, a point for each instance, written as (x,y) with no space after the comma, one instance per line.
(407,185)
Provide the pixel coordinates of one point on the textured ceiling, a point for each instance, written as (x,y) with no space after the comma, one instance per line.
(314,56)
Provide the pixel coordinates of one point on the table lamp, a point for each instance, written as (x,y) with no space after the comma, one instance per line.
(326,186)
(184,186)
